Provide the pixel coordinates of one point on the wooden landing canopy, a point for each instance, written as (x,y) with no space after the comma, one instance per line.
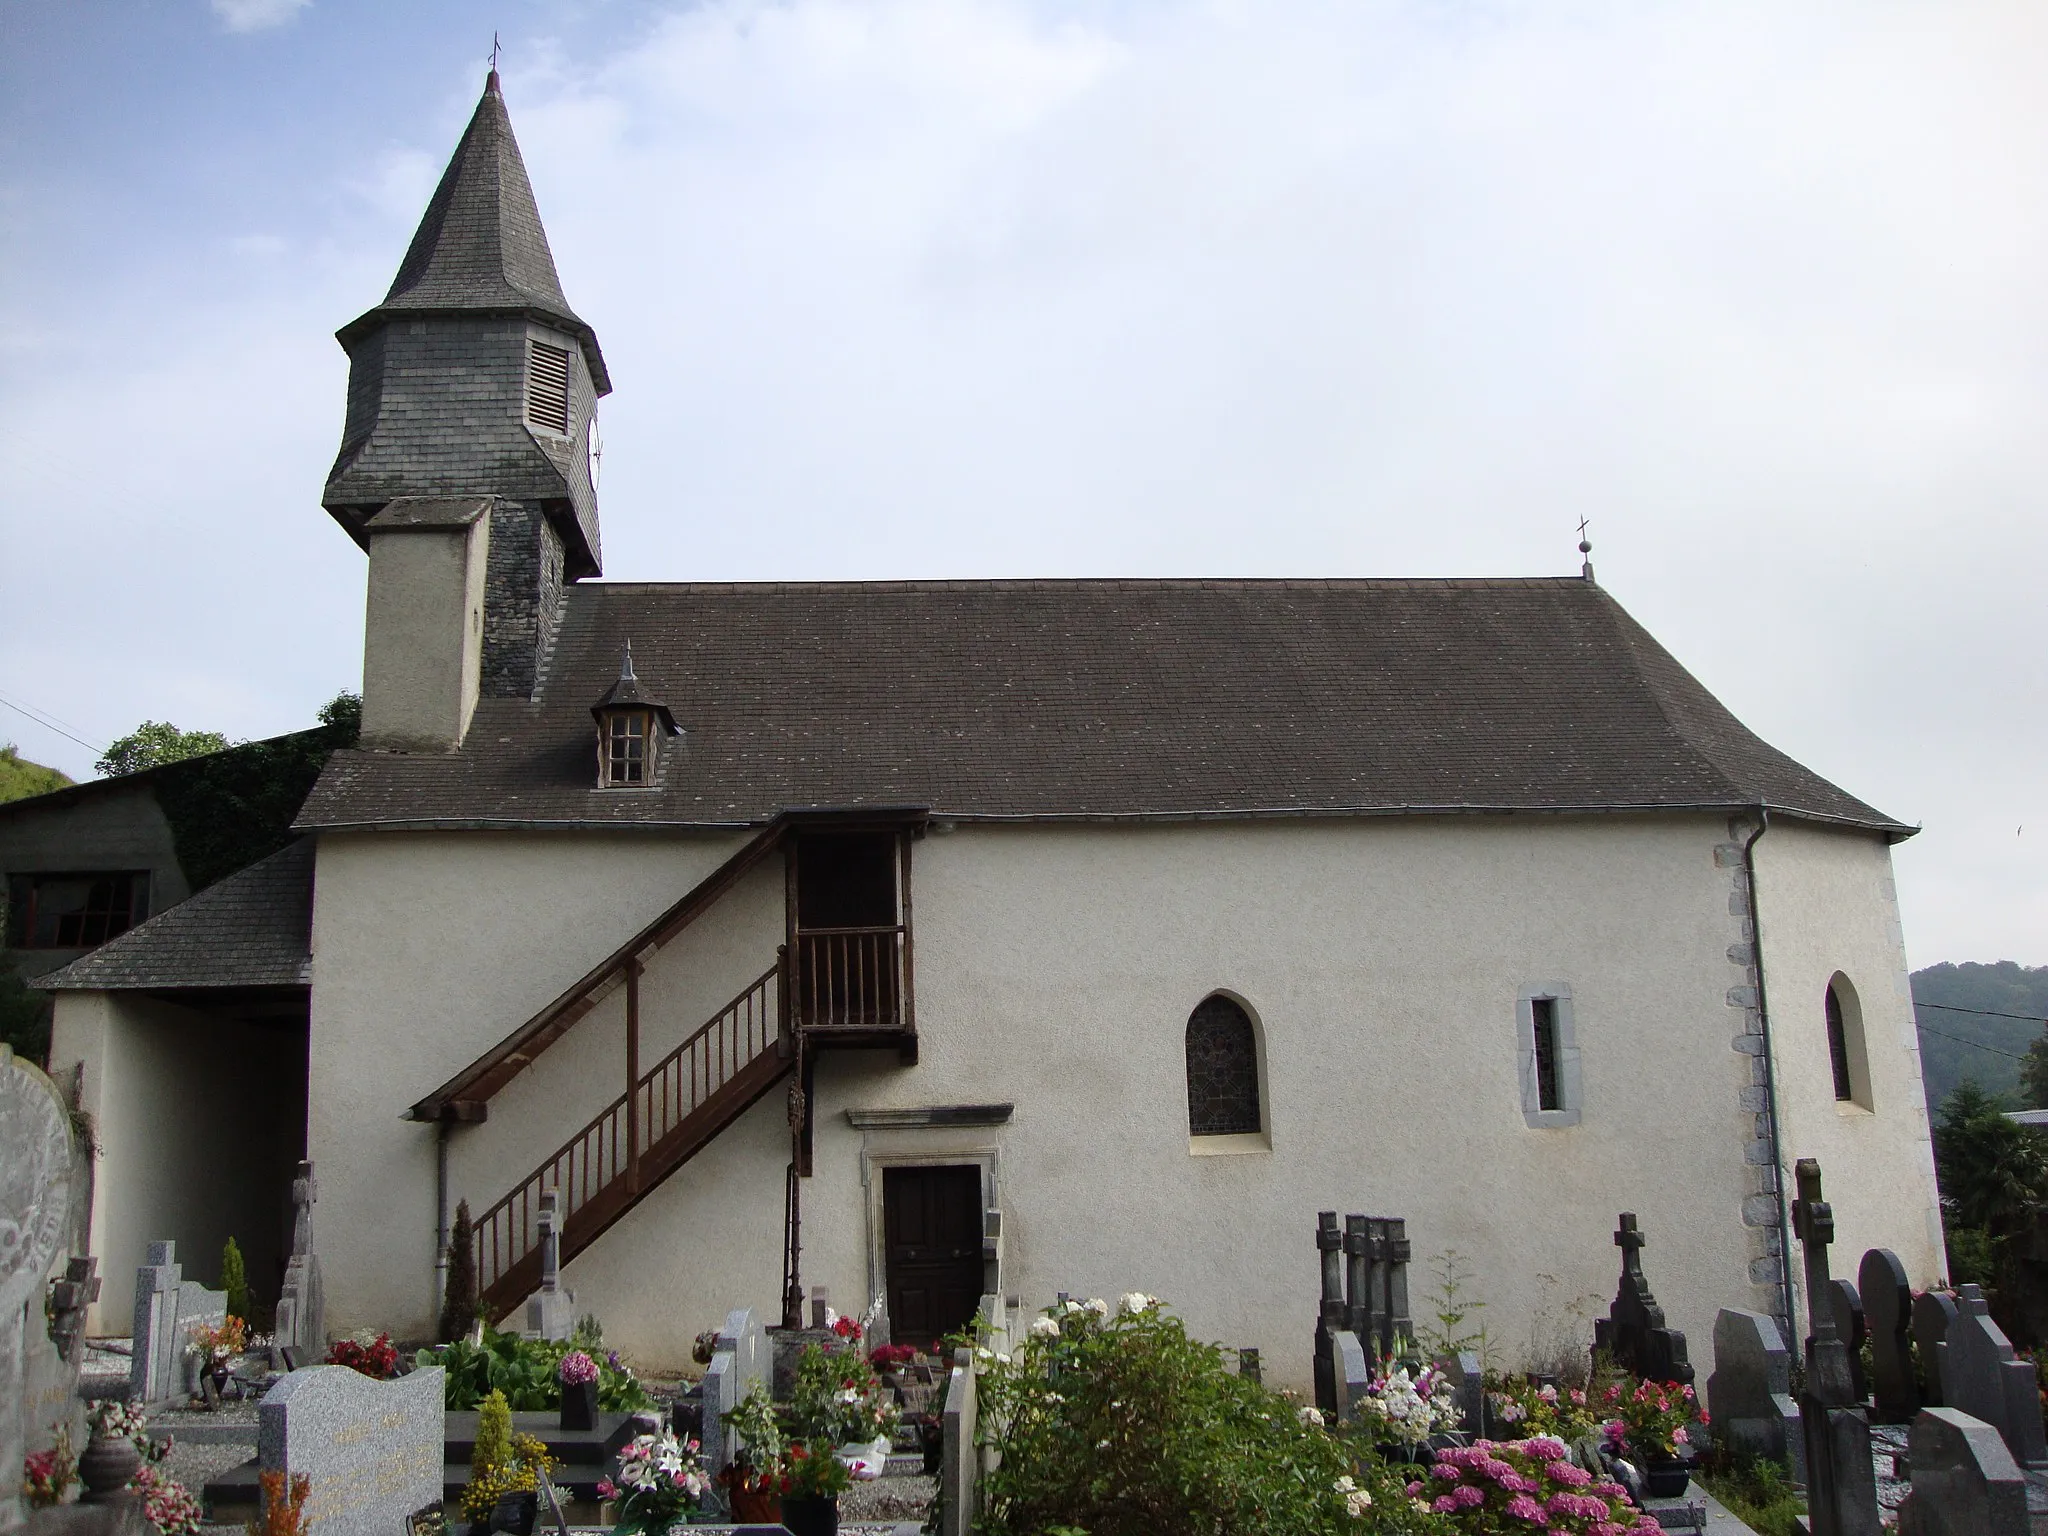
(465,1097)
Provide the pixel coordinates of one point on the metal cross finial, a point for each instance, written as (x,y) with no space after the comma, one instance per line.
(494,53)
(1585,551)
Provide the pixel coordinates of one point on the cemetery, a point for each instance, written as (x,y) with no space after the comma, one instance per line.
(1893,1410)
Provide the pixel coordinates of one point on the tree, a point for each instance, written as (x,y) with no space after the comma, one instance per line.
(234,1280)
(1993,1173)
(24,1018)
(20,778)
(343,716)
(2034,1071)
(155,742)
(458,1305)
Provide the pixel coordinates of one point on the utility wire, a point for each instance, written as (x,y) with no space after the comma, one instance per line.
(1988,1013)
(48,724)
(1959,1040)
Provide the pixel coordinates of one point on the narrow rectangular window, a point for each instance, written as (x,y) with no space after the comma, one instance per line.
(1838,1050)
(1543,1018)
(547,387)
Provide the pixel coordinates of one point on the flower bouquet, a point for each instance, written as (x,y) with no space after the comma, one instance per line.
(1404,1409)
(1520,1409)
(1649,1421)
(816,1478)
(661,1479)
(1529,1485)
(491,1484)
(839,1398)
(578,1374)
(375,1357)
(167,1504)
(46,1476)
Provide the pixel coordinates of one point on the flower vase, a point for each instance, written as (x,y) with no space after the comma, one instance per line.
(107,1466)
(811,1515)
(1666,1477)
(579,1405)
(514,1513)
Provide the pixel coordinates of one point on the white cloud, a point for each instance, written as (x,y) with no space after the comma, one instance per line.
(256,15)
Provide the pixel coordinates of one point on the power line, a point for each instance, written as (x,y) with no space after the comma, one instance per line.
(48,724)
(1959,1040)
(1988,1013)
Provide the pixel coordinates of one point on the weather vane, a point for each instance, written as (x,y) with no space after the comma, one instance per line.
(1585,551)
(494,53)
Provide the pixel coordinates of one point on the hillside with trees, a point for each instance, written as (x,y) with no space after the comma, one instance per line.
(1980,1046)
(20,778)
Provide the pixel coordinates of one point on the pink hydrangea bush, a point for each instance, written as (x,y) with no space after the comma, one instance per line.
(1525,1486)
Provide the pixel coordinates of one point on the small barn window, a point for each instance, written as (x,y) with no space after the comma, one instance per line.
(547,387)
(1223,1070)
(73,911)
(1848,1060)
(1548,1049)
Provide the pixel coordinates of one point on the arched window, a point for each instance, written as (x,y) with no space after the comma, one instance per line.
(1223,1070)
(1846,1056)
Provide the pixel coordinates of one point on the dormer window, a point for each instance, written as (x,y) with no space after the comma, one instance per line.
(630,727)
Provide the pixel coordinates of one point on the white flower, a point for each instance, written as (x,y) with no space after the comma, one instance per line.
(1310,1415)
(1045,1327)
(1344,1484)
(1357,1503)
(1134,1303)
(1001,1358)
(1097,1305)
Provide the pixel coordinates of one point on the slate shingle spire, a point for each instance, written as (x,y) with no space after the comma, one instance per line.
(474,376)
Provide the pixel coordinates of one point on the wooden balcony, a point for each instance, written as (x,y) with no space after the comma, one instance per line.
(852,986)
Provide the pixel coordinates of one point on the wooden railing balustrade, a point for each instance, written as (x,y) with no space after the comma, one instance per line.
(850,978)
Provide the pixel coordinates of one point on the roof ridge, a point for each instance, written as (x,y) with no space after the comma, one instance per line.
(893,586)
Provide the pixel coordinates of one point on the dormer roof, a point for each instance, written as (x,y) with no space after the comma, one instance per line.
(626,693)
(480,248)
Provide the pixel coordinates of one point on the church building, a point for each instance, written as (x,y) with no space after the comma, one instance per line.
(926,939)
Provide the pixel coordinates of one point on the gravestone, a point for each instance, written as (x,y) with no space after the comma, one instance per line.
(1849,1327)
(959,1458)
(154,1369)
(1354,1375)
(1933,1312)
(302,1304)
(1841,1481)
(550,1311)
(1981,1377)
(197,1308)
(35,1211)
(1633,1333)
(1359,1316)
(1749,1394)
(1965,1482)
(739,1362)
(1888,1314)
(1468,1389)
(1392,1253)
(371,1450)
(1330,1311)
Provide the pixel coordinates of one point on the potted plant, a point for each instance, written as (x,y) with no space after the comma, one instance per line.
(1648,1424)
(755,1480)
(816,1478)
(115,1452)
(578,1373)
(660,1481)
(838,1398)
(504,1469)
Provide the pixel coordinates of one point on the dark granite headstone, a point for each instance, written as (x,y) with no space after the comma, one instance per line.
(1329,1311)
(1965,1482)
(1749,1393)
(1841,1481)
(1633,1334)
(1849,1327)
(1982,1377)
(1888,1314)
(1933,1314)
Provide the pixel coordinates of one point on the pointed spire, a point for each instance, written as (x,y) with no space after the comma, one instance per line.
(626,666)
(626,694)
(480,246)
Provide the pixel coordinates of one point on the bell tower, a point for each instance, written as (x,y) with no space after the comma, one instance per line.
(473,381)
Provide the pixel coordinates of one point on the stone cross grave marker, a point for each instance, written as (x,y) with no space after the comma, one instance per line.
(1749,1393)
(1633,1332)
(1965,1482)
(1933,1313)
(1330,1312)
(1981,1377)
(371,1450)
(551,1311)
(1888,1314)
(1849,1327)
(154,1371)
(35,1210)
(1391,1253)
(1360,1316)
(1841,1482)
(302,1304)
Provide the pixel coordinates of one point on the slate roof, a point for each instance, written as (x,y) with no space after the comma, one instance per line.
(251,929)
(1100,699)
(480,246)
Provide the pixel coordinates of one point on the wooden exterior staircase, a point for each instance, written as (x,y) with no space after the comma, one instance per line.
(827,987)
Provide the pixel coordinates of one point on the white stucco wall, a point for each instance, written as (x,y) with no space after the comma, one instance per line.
(1828,907)
(197,1120)
(423,636)
(1056,968)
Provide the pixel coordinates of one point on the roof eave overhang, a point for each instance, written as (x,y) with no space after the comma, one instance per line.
(540,313)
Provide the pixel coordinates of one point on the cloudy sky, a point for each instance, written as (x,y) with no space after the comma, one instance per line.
(977,288)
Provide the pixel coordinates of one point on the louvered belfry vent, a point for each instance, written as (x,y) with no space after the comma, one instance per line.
(547,387)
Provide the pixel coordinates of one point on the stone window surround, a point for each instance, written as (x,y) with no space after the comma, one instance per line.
(1856,1045)
(1242,1142)
(1570,1085)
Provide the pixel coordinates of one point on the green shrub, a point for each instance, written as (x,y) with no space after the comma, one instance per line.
(234,1279)
(1121,1425)
(523,1371)
(458,1301)
(493,1436)
(1758,1494)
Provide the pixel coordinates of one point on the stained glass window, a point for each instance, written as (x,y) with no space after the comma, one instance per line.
(1223,1070)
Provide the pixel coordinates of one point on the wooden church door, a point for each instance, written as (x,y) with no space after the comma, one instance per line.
(931,1220)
